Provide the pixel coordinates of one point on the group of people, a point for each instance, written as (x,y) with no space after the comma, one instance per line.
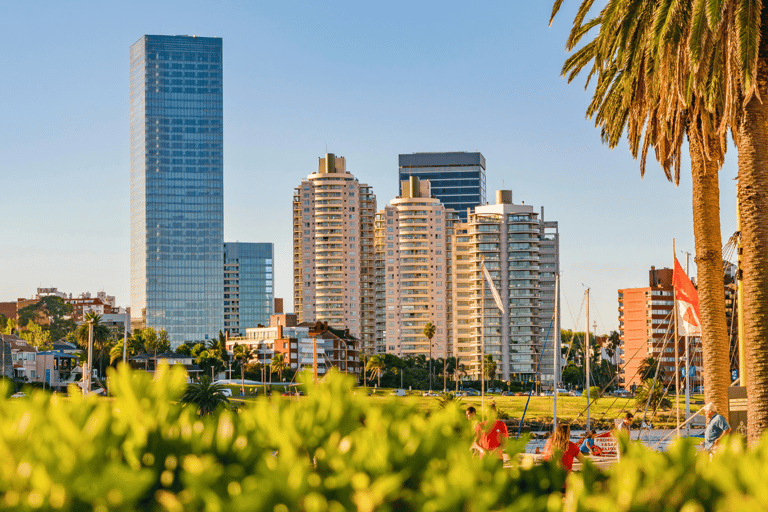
(491,435)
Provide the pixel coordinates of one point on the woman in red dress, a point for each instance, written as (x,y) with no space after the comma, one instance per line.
(560,445)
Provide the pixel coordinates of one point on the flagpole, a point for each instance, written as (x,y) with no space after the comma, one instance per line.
(586,352)
(556,351)
(677,348)
(687,369)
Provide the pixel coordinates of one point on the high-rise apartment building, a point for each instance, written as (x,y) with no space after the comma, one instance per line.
(457,179)
(646,328)
(333,254)
(413,270)
(177,197)
(248,286)
(511,239)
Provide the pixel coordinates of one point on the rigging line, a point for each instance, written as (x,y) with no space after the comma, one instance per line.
(656,376)
(600,318)
(570,345)
(570,311)
(624,367)
(538,365)
(609,383)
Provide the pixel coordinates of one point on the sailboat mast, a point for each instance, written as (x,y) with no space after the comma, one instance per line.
(586,356)
(677,351)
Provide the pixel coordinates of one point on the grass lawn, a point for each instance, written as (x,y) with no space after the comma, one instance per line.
(572,409)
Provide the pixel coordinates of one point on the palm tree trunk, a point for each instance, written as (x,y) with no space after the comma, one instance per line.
(709,262)
(752,144)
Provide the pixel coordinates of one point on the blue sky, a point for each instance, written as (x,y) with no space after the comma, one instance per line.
(369,81)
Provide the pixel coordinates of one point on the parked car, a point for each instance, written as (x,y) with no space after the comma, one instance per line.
(471,392)
(575,392)
(20,394)
(226,392)
(399,392)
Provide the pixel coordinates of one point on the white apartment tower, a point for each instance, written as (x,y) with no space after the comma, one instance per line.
(333,254)
(413,270)
(521,253)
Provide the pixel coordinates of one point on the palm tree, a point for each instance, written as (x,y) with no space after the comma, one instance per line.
(205,395)
(657,392)
(641,60)
(278,364)
(461,372)
(648,368)
(376,366)
(490,368)
(429,333)
(241,353)
(100,332)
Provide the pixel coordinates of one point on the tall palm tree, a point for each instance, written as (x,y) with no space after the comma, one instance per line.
(376,366)
(641,61)
(278,365)
(205,395)
(429,333)
(101,335)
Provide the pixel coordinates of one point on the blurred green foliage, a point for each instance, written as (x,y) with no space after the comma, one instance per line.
(332,450)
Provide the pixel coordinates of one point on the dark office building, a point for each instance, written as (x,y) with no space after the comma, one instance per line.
(457,179)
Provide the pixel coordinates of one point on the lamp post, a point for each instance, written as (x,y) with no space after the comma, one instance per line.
(126,323)
(87,381)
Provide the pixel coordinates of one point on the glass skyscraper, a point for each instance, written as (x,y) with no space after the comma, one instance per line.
(248,291)
(177,186)
(457,179)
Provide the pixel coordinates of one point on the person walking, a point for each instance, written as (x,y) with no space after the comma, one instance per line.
(491,435)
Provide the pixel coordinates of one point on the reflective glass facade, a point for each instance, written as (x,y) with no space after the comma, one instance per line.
(457,179)
(248,286)
(177,200)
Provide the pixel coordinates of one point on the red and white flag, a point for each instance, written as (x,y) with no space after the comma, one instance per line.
(686,302)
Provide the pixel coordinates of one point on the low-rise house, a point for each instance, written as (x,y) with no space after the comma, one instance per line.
(54,368)
(299,342)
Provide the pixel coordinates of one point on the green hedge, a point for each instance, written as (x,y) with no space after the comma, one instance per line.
(332,450)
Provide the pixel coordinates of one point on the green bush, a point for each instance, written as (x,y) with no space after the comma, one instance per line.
(332,450)
(679,479)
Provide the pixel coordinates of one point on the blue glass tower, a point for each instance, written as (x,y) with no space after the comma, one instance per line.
(248,292)
(177,186)
(457,179)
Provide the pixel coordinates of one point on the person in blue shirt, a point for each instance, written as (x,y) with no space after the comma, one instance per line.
(717,427)
(588,444)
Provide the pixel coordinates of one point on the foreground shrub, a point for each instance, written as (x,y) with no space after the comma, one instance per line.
(332,450)
(681,479)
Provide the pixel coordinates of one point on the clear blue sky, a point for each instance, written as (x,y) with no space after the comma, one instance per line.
(370,81)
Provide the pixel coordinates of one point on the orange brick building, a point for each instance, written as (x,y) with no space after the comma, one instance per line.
(646,320)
